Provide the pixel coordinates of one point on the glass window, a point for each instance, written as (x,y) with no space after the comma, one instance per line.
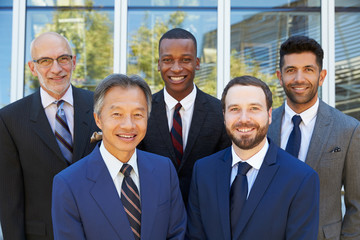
(145,27)
(257,31)
(347,57)
(89,28)
(173,3)
(5,49)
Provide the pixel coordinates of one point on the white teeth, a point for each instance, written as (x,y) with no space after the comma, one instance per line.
(176,78)
(244,130)
(126,136)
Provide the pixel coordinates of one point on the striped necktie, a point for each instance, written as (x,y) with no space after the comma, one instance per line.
(176,134)
(131,201)
(62,132)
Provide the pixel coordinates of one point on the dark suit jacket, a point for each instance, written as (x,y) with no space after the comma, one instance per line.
(207,135)
(283,202)
(86,204)
(30,158)
(333,129)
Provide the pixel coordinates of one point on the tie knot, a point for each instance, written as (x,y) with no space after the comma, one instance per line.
(296,119)
(126,169)
(60,103)
(178,107)
(243,168)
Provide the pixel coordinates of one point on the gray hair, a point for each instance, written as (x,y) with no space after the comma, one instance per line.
(120,80)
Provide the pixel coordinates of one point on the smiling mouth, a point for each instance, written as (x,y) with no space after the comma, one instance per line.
(244,130)
(126,136)
(177,79)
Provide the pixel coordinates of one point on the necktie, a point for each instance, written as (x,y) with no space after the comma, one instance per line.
(238,194)
(62,132)
(131,200)
(176,134)
(293,144)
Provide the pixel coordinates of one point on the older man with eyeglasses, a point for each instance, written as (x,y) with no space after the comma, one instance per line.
(40,135)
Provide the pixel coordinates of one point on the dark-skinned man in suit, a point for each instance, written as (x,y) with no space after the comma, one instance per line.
(202,123)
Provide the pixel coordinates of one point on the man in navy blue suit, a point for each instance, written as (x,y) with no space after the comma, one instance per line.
(274,196)
(119,192)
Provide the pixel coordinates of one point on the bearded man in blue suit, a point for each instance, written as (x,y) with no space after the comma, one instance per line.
(276,197)
(119,192)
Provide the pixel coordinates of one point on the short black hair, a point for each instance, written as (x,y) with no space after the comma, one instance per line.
(120,80)
(248,81)
(178,33)
(300,44)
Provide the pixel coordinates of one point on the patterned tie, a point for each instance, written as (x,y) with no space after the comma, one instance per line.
(238,194)
(62,132)
(293,144)
(131,200)
(176,134)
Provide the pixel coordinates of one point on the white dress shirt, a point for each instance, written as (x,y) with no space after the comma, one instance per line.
(306,127)
(255,162)
(51,108)
(186,112)
(114,165)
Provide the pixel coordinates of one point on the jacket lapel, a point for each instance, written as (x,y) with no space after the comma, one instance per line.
(106,196)
(41,126)
(158,113)
(324,122)
(275,129)
(197,121)
(266,173)
(83,115)
(223,192)
(149,192)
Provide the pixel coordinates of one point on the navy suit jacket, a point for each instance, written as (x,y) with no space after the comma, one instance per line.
(30,158)
(283,202)
(86,204)
(207,135)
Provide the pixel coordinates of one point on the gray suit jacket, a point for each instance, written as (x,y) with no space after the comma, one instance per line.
(30,158)
(334,153)
(207,135)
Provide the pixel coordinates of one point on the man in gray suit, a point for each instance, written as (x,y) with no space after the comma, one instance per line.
(329,140)
(30,152)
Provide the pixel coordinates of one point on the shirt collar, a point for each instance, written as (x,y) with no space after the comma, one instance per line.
(114,165)
(186,102)
(306,116)
(47,100)
(255,161)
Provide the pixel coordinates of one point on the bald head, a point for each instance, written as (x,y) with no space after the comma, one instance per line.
(45,38)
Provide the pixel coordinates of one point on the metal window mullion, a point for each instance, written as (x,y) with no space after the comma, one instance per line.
(223,45)
(17,50)
(328,45)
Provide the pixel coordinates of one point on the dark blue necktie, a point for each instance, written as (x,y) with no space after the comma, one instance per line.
(293,144)
(238,194)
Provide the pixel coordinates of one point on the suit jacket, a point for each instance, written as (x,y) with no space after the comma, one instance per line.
(86,204)
(30,158)
(283,202)
(207,135)
(332,130)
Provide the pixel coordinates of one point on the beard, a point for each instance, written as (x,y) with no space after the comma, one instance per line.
(247,142)
(294,98)
(44,84)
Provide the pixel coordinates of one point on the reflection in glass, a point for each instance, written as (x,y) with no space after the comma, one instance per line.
(173,3)
(276,3)
(144,31)
(90,33)
(256,37)
(5,56)
(68,3)
(347,60)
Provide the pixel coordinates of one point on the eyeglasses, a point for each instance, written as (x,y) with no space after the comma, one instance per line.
(48,62)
